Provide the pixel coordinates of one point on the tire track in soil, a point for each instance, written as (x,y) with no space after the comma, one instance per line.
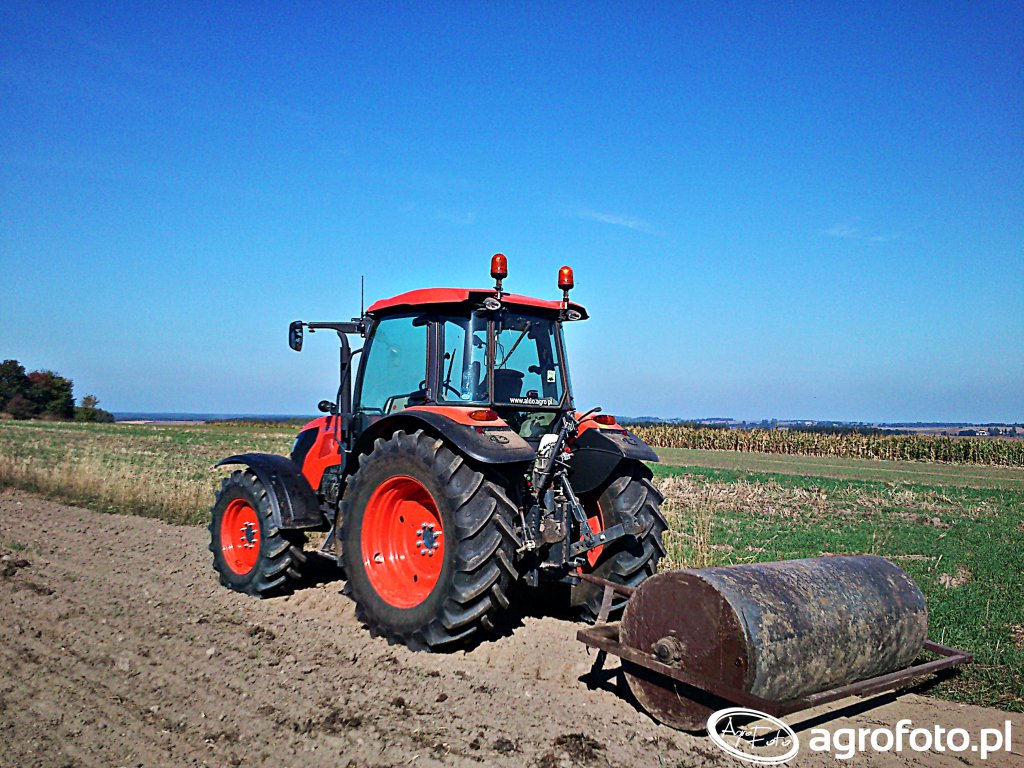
(119,648)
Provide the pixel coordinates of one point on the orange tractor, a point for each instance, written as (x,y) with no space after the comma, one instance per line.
(456,466)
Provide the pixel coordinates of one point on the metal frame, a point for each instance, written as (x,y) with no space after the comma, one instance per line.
(604,637)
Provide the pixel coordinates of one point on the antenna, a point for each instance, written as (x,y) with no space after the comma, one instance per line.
(362,279)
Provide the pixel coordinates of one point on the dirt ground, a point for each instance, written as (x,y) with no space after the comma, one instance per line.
(119,648)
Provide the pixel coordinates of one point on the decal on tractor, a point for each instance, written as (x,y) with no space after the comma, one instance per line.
(536,402)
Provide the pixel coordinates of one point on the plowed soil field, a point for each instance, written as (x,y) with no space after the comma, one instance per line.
(119,648)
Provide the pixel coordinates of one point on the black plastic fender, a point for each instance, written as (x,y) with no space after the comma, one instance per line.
(597,452)
(492,445)
(292,500)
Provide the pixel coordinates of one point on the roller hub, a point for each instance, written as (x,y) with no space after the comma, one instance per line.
(678,622)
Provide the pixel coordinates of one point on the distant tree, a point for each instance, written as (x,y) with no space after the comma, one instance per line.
(13,381)
(44,394)
(52,395)
(20,407)
(89,410)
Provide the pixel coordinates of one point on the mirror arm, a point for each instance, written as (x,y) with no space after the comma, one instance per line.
(343,400)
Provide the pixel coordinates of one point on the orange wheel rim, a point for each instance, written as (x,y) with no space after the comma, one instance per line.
(402,541)
(240,536)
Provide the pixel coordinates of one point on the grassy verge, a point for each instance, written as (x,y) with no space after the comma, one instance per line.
(963,545)
(150,470)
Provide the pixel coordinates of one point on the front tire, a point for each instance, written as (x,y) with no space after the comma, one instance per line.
(428,543)
(631,559)
(250,553)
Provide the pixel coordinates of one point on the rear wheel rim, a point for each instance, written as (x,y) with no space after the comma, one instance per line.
(402,541)
(240,536)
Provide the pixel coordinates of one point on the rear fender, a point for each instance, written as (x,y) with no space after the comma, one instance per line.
(489,442)
(292,500)
(597,452)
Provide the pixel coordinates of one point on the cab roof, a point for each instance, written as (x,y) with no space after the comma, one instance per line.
(471,296)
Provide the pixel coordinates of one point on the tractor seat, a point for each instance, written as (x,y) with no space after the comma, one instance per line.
(508,383)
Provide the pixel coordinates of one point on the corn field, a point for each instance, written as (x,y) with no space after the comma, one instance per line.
(954,450)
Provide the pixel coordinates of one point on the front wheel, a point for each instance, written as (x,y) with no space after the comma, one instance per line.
(250,553)
(428,543)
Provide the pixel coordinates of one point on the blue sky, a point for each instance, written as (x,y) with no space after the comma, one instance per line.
(773,210)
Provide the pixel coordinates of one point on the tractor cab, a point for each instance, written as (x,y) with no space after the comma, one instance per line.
(449,347)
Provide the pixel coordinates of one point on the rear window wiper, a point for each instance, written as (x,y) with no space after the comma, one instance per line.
(521,337)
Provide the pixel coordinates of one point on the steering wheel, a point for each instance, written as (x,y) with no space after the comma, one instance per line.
(390,402)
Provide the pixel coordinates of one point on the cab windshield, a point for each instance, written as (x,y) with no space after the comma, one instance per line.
(523,361)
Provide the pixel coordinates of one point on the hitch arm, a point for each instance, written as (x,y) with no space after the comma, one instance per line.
(590,540)
(614,533)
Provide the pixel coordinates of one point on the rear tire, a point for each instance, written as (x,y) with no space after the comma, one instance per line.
(412,494)
(250,553)
(631,559)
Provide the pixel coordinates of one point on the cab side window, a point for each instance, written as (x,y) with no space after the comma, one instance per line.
(395,369)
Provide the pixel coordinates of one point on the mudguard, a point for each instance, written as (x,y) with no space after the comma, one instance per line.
(596,453)
(292,500)
(490,443)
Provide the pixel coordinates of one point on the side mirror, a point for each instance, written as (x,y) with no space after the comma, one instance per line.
(326,406)
(295,335)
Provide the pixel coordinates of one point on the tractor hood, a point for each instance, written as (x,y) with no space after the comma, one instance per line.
(472,296)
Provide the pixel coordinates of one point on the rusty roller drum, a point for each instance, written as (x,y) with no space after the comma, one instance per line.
(777,630)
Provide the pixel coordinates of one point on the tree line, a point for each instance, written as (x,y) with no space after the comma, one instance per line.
(44,395)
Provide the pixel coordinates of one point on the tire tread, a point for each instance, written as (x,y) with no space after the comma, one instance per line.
(281,557)
(482,534)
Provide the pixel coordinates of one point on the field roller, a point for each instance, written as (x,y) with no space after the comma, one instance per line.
(775,637)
